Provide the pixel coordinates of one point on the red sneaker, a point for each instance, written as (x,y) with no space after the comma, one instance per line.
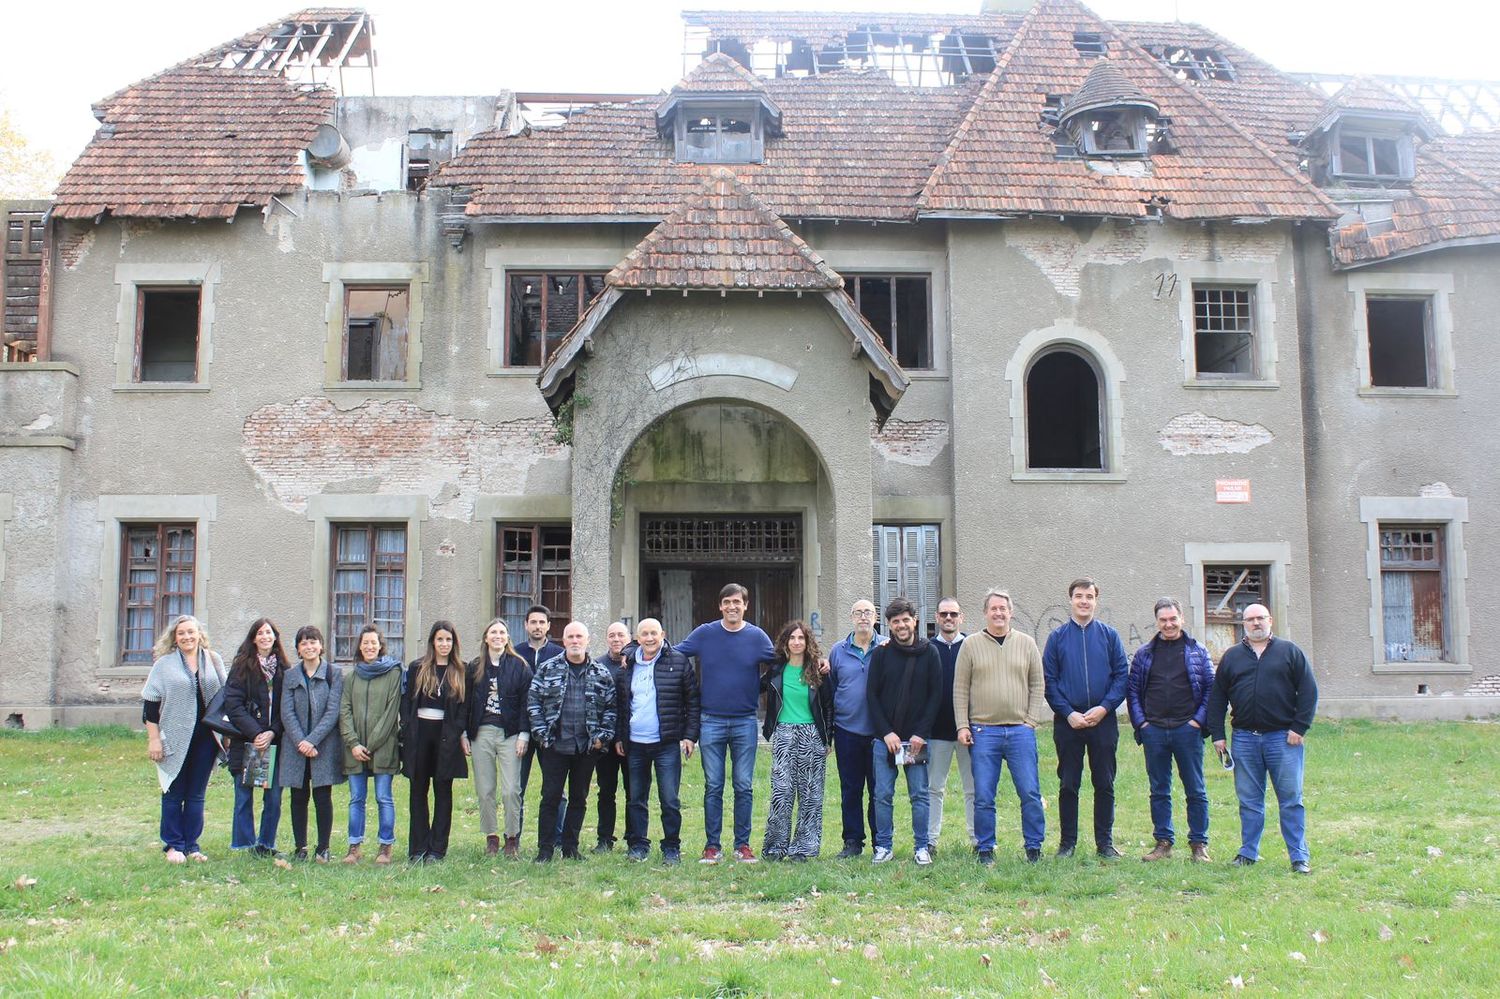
(745,855)
(711,855)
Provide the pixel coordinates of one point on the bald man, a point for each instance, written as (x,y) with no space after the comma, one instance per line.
(1270,686)
(849,667)
(571,703)
(657,694)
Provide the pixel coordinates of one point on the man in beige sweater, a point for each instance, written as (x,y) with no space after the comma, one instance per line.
(997,704)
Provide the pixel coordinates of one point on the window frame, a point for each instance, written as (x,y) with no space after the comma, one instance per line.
(343,276)
(132,280)
(749,111)
(350,288)
(1100,416)
(1249,288)
(1438,566)
(1263,281)
(161,593)
(894,277)
(1274,556)
(1096,350)
(545,276)
(1438,288)
(1450,513)
(559,616)
(372,570)
(141,291)
(929,538)
(1370,134)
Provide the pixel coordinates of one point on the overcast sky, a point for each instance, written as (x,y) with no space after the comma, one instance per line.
(56,60)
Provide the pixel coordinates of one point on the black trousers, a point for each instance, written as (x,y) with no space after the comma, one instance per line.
(322,798)
(1099,744)
(429,837)
(576,769)
(611,774)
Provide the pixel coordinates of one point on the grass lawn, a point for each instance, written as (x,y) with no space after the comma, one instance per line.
(1404,900)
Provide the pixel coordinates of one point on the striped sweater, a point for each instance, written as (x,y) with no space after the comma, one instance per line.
(996,684)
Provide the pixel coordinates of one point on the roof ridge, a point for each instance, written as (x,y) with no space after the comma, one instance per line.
(939,168)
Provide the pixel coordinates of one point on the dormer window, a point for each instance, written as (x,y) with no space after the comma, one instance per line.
(720,135)
(1110,117)
(1115,133)
(1362,153)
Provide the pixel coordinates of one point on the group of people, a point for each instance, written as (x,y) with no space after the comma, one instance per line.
(882,705)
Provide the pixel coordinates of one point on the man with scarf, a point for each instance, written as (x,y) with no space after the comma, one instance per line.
(903,692)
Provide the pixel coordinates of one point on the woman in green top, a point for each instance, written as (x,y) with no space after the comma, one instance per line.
(799,724)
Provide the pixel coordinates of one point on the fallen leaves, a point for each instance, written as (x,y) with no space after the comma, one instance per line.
(544,945)
(985,960)
(23,882)
(283,864)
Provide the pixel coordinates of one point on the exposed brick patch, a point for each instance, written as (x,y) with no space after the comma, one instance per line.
(1487,687)
(72,249)
(1061,255)
(910,442)
(1199,433)
(301,448)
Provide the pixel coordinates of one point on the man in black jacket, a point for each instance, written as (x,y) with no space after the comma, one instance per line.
(1270,685)
(657,695)
(903,692)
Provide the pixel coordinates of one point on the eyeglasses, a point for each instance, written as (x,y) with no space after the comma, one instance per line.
(948,613)
(863,613)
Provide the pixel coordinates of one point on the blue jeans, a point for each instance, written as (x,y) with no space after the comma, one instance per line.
(666,759)
(1256,755)
(242,827)
(851,751)
(994,746)
(1184,744)
(739,737)
(885,795)
(182,801)
(385,807)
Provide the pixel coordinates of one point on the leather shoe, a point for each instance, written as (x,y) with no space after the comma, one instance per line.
(1161,851)
(491,846)
(1301,867)
(1108,852)
(1240,860)
(1063,852)
(1200,853)
(1033,854)
(850,851)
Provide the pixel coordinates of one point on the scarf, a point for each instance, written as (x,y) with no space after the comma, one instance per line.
(380,667)
(267,666)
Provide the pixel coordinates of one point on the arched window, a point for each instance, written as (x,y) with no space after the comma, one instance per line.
(1064,418)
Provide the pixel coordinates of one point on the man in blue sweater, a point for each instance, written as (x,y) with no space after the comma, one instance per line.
(849,664)
(729,652)
(1085,669)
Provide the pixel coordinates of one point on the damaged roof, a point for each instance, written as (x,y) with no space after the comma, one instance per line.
(823,27)
(1003,160)
(196,143)
(724,237)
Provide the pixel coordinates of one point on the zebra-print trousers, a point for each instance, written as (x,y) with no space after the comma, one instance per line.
(799,761)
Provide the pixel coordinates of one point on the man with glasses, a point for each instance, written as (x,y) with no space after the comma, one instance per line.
(1269,684)
(944,744)
(849,664)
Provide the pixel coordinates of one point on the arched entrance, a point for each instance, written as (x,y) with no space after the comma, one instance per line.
(717,492)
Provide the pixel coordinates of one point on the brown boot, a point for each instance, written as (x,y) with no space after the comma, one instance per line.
(384,856)
(1200,853)
(354,855)
(491,845)
(512,846)
(1162,852)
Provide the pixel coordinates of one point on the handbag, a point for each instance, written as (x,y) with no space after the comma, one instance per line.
(215,719)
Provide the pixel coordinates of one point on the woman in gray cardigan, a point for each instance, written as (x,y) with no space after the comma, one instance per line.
(184,678)
(312,760)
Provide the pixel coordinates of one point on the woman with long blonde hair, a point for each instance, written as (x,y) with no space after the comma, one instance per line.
(184,678)
(435,721)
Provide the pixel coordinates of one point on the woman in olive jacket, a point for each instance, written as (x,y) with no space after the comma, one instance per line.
(313,759)
(435,715)
(370,725)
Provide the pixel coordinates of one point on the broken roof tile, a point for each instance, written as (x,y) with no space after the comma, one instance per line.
(724,238)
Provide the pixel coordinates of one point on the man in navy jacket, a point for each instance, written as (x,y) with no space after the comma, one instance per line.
(1085,668)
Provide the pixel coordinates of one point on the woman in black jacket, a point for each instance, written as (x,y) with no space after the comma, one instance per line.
(252,700)
(499,732)
(435,714)
(799,724)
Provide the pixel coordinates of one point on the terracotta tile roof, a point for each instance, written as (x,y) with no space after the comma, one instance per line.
(822,27)
(720,73)
(195,143)
(855,146)
(1455,199)
(724,238)
(1105,86)
(1002,160)
(1365,94)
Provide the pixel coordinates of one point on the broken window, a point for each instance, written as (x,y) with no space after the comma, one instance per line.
(1400,341)
(907,564)
(375,332)
(166,334)
(1372,155)
(896,307)
(1413,593)
(1227,591)
(1064,418)
(368,586)
(426,150)
(1090,44)
(158,580)
(1224,331)
(1194,64)
(542,309)
(710,135)
(534,566)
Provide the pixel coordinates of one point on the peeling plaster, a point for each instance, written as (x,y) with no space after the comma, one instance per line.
(1435,489)
(75,248)
(307,446)
(911,442)
(1061,255)
(1199,433)
(43,422)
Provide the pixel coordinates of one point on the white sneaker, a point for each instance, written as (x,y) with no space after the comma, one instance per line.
(923,857)
(881,855)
